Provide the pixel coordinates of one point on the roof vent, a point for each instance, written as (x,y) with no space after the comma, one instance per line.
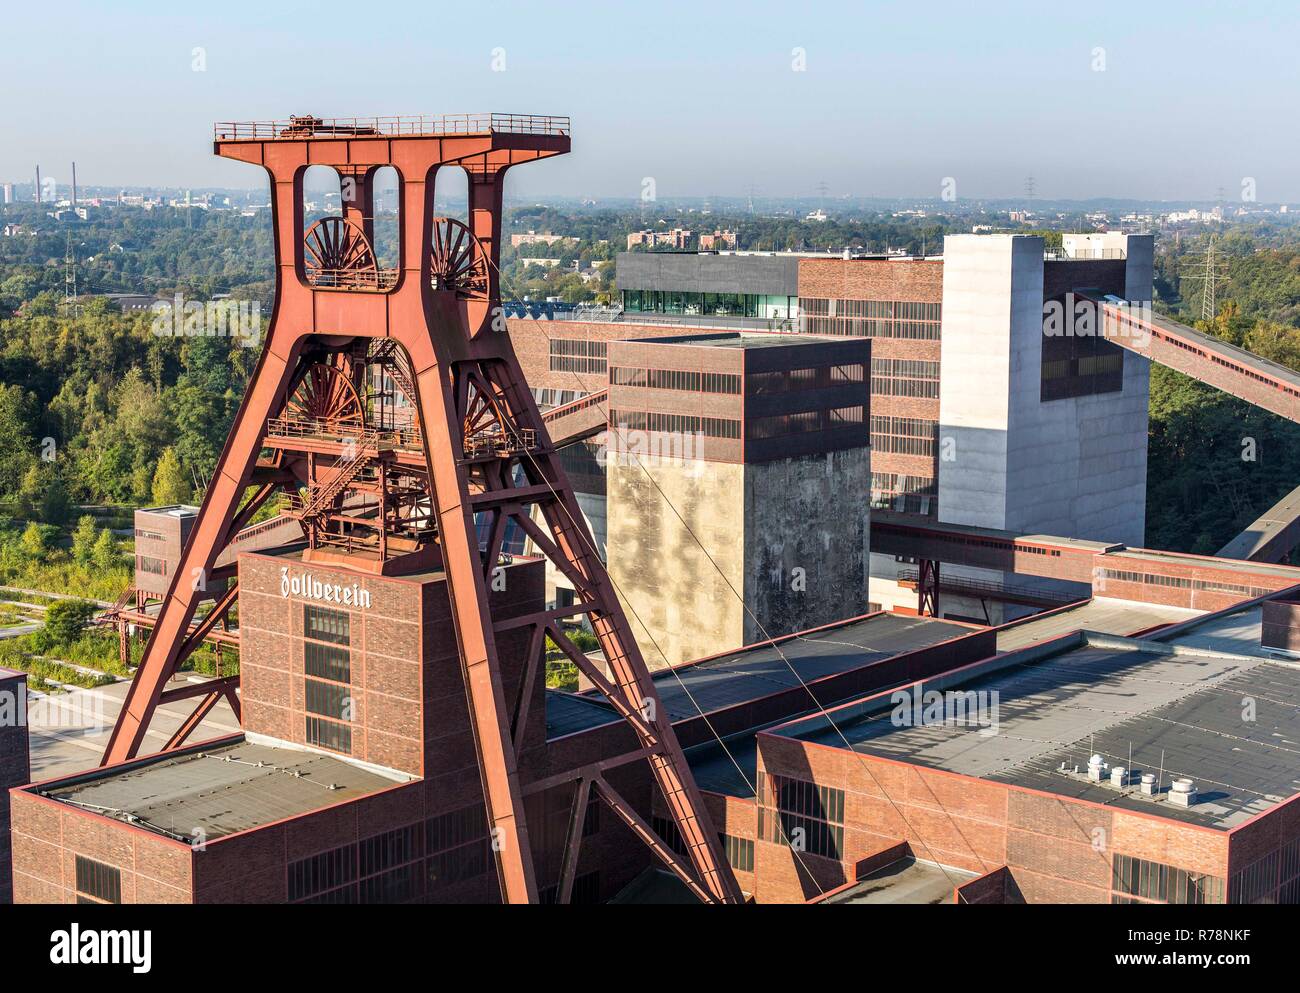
(1182,792)
(1119,777)
(1149,783)
(1095,765)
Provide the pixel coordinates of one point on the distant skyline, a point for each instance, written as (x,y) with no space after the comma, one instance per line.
(1150,101)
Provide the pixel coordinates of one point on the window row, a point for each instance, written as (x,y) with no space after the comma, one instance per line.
(904,435)
(846,327)
(905,310)
(578,355)
(816,377)
(673,379)
(802,422)
(640,420)
(398,865)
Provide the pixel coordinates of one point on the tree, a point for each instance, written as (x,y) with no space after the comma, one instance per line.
(55,504)
(169,485)
(36,540)
(83,540)
(18,454)
(67,619)
(104,554)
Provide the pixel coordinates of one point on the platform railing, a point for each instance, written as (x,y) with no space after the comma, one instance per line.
(397,126)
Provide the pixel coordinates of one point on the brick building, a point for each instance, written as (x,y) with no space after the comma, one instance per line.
(1041,787)
(15,768)
(1026,412)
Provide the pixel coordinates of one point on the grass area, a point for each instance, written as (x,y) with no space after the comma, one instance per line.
(43,671)
(561,673)
(61,574)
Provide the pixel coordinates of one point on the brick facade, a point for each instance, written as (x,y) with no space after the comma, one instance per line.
(15,768)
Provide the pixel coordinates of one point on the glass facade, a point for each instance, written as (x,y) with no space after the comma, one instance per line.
(715,304)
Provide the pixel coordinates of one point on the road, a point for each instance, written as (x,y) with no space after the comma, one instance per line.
(69,731)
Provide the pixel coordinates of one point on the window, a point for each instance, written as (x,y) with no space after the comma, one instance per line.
(806,816)
(871,318)
(329,670)
(155,567)
(905,378)
(711,427)
(380,869)
(1079,365)
(330,870)
(328,699)
(671,379)
(328,734)
(327,662)
(904,435)
(666,828)
(457,843)
(1160,883)
(740,852)
(323,624)
(97,882)
(576,355)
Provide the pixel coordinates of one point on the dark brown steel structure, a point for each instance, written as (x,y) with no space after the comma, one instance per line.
(380,489)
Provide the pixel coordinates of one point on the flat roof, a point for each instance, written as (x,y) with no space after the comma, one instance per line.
(757,671)
(1106,615)
(1176,711)
(905,881)
(761,670)
(220,790)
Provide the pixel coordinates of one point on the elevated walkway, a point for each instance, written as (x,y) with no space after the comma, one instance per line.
(583,418)
(1235,371)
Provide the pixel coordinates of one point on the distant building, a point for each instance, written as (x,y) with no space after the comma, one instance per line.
(718,240)
(8,192)
(817,215)
(533,238)
(678,238)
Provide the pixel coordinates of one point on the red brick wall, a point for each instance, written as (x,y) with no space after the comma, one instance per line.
(1281,625)
(48,836)
(1059,850)
(14,765)
(872,279)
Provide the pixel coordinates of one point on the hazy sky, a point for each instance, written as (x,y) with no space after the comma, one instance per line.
(703,96)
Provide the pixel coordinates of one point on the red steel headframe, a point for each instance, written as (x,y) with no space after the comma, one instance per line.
(442,307)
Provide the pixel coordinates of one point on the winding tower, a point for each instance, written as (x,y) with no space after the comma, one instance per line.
(389,405)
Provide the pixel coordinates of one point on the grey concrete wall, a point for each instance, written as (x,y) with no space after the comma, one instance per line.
(977,363)
(679,603)
(767,275)
(1074,467)
(807,532)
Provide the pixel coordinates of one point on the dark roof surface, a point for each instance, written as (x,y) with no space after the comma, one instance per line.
(220,791)
(1176,713)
